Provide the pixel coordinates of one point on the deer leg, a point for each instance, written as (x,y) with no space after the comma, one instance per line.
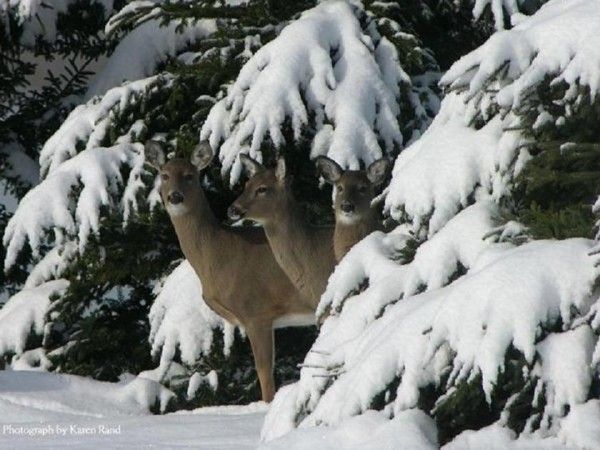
(261,341)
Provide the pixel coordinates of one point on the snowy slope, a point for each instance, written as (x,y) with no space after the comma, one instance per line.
(58,409)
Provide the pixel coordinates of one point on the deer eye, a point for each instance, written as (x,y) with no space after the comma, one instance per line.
(188,177)
(261,190)
(340,188)
(164,176)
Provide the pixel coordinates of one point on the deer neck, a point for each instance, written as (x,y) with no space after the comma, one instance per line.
(304,252)
(198,232)
(346,235)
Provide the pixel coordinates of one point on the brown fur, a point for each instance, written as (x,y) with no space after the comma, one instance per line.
(355,189)
(304,252)
(241,280)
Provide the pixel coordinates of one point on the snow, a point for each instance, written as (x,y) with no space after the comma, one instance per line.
(498,7)
(49,205)
(566,366)
(560,40)
(179,319)
(437,175)
(59,411)
(435,261)
(89,123)
(197,380)
(138,54)
(580,428)
(502,301)
(497,437)
(387,319)
(39,409)
(393,321)
(411,429)
(25,312)
(349,84)
(52,265)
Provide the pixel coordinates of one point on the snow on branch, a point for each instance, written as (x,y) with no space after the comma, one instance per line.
(560,41)
(24,313)
(507,298)
(50,205)
(143,48)
(498,7)
(88,123)
(440,173)
(433,265)
(321,67)
(179,319)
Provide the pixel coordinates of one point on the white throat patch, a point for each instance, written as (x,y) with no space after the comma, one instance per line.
(347,219)
(176,210)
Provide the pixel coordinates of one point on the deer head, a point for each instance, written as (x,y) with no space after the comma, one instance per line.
(266,192)
(180,187)
(353,189)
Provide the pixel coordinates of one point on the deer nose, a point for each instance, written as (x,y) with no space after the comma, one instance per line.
(347,207)
(175,198)
(234,213)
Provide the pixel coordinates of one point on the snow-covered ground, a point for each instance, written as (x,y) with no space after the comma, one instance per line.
(39,409)
(49,410)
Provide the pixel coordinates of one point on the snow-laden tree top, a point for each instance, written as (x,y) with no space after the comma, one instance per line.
(325,71)
(561,41)
(151,44)
(465,311)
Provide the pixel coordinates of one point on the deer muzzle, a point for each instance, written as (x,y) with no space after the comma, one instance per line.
(347,207)
(175,198)
(235,213)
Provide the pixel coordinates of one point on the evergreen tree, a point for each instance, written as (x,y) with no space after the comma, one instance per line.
(101,229)
(46,56)
(104,308)
(489,278)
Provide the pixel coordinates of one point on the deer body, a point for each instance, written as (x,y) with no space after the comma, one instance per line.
(241,280)
(308,254)
(304,252)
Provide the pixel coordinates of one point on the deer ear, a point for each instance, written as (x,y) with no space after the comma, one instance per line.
(280,169)
(329,169)
(154,154)
(251,166)
(378,170)
(202,155)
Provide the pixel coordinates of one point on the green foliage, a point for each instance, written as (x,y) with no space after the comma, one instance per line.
(559,185)
(99,327)
(238,383)
(31,113)
(466,407)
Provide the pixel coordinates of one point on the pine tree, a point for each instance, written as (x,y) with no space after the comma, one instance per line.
(490,277)
(98,327)
(103,311)
(45,59)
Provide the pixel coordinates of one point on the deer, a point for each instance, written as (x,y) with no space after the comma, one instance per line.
(354,191)
(306,253)
(241,280)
